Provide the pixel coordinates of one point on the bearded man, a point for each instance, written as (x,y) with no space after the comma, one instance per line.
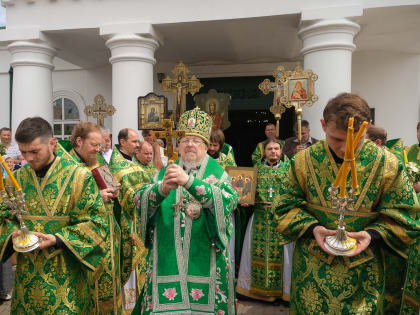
(131,177)
(258,154)
(265,269)
(186,220)
(66,212)
(84,148)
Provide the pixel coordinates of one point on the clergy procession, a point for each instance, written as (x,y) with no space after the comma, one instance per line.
(332,226)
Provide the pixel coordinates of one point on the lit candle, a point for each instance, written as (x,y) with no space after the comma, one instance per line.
(1,179)
(9,173)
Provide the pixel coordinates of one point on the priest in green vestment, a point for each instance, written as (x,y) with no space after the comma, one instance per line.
(131,178)
(265,269)
(66,211)
(143,159)
(258,154)
(84,148)
(186,223)
(413,155)
(385,215)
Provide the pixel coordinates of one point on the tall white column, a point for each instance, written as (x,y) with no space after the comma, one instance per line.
(132,59)
(327,51)
(32,80)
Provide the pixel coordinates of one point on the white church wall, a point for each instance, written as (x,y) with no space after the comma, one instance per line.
(4,88)
(390,82)
(88,84)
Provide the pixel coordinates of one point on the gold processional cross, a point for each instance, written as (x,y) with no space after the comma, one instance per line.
(180,85)
(277,87)
(99,110)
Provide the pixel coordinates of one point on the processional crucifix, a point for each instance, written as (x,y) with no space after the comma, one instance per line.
(99,110)
(180,85)
(277,87)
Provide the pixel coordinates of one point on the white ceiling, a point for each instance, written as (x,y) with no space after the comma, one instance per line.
(255,40)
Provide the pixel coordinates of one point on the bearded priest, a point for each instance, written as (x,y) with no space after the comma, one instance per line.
(186,224)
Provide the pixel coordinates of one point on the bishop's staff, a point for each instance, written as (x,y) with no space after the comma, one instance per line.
(341,244)
(26,241)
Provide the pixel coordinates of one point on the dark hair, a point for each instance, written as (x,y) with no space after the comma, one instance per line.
(375,132)
(270,124)
(346,105)
(123,134)
(418,125)
(5,129)
(268,141)
(218,136)
(32,128)
(305,124)
(83,130)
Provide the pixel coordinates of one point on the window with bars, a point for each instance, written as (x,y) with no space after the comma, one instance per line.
(66,116)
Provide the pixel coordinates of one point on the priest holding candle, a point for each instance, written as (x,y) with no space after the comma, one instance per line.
(64,210)
(346,183)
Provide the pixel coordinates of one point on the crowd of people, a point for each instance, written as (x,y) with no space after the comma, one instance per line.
(174,237)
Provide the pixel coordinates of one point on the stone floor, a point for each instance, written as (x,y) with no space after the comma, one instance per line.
(245,307)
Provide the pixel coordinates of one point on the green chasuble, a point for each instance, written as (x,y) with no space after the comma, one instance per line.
(109,283)
(396,146)
(188,267)
(413,153)
(67,204)
(323,283)
(226,160)
(150,170)
(227,149)
(131,178)
(411,295)
(258,153)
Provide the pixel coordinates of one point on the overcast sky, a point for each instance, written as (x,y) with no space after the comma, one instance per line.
(2,16)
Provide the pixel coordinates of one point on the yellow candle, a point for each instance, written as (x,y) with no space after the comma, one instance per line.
(343,181)
(338,178)
(1,178)
(354,184)
(360,133)
(12,178)
(405,157)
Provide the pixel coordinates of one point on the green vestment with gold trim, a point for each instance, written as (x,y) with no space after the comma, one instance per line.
(150,169)
(67,204)
(131,178)
(258,154)
(109,283)
(323,283)
(188,267)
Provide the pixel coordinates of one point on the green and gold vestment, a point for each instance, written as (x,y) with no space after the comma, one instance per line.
(258,153)
(150,170)
(131,178)
(413,153)
(109,283)
(67,204)
(188,267)
(323,283)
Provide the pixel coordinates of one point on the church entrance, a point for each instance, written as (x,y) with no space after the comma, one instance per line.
(248,113)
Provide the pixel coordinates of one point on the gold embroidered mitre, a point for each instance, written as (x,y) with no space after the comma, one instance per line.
(196,123)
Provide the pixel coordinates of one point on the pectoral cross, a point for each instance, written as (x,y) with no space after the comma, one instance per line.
(271,190)
(168,134)
(180,86)
(99,110)
(277,87)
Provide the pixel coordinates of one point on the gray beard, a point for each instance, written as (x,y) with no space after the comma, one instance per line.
(191,164)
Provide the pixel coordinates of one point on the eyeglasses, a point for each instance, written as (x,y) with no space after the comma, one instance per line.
(192,140)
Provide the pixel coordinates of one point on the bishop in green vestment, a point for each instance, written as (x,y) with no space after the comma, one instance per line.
(65,210)
(84,149)
(186,223)
(385,215)
(264,259)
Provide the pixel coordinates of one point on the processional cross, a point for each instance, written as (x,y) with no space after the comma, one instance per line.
(277,87)
(99,110)
(168,134)
(180,85)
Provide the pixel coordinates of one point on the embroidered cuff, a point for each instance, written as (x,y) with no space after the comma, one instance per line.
(189,182)
(160,190)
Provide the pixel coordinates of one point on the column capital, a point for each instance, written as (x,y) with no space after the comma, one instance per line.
(328,34)
(32,53)
(132,47)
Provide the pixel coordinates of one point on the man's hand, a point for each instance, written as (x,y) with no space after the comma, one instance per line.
(45,240)
(417,187)
(116,192)
(175,174)
(299,147)
(320,234)
(363,240)
(107,194)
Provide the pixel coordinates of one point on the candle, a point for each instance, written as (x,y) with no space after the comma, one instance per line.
(360,133)
(405,157)
(12,178)
(1,179)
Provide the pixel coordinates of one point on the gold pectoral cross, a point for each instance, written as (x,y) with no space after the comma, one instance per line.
(179,206)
